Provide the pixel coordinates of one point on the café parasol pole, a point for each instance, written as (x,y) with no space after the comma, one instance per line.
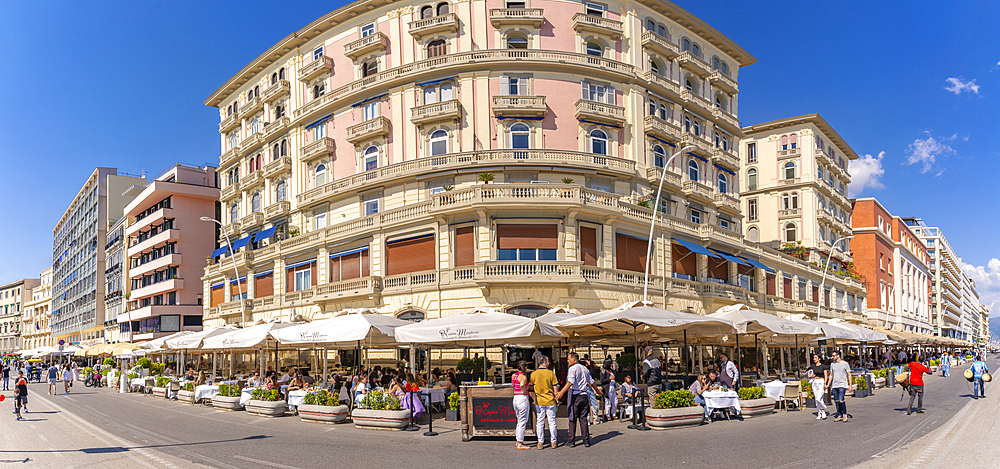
(430,404)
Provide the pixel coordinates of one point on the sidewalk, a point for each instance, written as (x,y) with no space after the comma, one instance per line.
(964,441)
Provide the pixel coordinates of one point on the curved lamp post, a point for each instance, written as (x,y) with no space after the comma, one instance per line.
(239,287)
(826,268)
(652,222)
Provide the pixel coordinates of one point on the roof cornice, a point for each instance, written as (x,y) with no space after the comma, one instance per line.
(814,119)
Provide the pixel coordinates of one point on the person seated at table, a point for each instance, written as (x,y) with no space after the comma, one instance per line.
(289,374)
(335,383)
(296,383)
(190,375)
(254,381)
(452,383)
(387,376)
(629,391)
(306,378)
(712,379)
(672,366)
(201,378)
(361,389)
(397,388)
(698,387)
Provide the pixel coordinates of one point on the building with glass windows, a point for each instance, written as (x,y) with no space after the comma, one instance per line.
(37,313)
(78,278)
(392,155)
(13,298)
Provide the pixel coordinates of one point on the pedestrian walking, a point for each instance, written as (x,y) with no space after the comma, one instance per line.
(20,394)
(578,379)
(839,383)
(610,386)
(522,404)
(5,371)
(546,386)
(821,374)
(53,377)
(916,387)
(978,369)
(945,364)
(651,374)
(67,376)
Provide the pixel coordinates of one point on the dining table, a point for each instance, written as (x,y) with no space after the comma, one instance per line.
(721,400)
(205,391)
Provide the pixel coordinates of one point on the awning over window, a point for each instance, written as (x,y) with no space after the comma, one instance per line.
(242,242)
(699,157)
(434,82)
(220,251)
(720,168)
(602,124)
(758,264)
(314,124)
(697,248)
(265,234)
(261,274)
(348,253)
(361,103)
(730,257)
(242,279)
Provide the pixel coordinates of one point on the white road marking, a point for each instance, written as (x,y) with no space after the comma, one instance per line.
(42,437)
(266,463)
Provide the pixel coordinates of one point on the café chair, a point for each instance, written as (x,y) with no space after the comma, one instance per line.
(175,386)
(793,394)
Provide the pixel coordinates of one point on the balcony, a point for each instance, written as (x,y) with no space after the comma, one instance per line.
(156,288)
(723,82)
(583,23)
(450,110)
(279,125)
(275,91)
(670,181)
(366,45)
(701,146)
(252,180)
(789,153)
(277,209)
(435,25)
(156,264)
(725,158)
(698,191)
(724,291)
(315,68)
(663,84)
(727,203)
(363,287)
(231,230)
(369,129)
(278,167)
(788,182)
(251,106)
(698,101)
(694,64)
(789,213)
(237,307)
(229,157)
(318,149)
(251,143)
(239,260)
(661,129)
(250,221)
(659,44)
(728,120)
(600,112)
(229,123)
(411,282)
(229,192)
(517,106)
(533,17)
(528,272)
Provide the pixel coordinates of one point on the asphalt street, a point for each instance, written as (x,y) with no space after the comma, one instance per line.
(100,427)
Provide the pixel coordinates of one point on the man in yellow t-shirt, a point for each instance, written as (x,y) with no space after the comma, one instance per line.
(545,385)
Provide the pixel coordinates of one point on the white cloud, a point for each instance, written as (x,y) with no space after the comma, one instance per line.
(926,151)
(866,172)
(957,85)
(987,280)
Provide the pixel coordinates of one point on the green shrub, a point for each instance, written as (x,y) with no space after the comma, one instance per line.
(465,365)
(378,400)
(477,363)
(883,373)
(673,399)
(143,362)
(261,394)
(807,388)
(109,362)
(323,397)
(454,402)
(754,392)
(626,361)
(162,381)
(229,390)
(132,376)
(860,383)
(157,369)
(188,386)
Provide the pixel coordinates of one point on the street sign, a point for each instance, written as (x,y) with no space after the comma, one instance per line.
(61,343)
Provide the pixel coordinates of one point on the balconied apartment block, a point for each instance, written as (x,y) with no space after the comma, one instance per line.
(115,276)
(423,174)
(37,312)
(167,244)
(895,267)
(13,298)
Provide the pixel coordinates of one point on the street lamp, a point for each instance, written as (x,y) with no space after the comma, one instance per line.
(229,245)
(819,304)
(652,221)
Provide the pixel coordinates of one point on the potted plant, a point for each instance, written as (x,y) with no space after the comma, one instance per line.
(880,378)
(266,403)
(478,366)
(486,177)
(143,363)
(674,409)
(807,393)
(453,406)
(380,410)
(643,203)
(860,386)
(323,406)
(465,366)
(228,398)
(567,180)
(186,394)
(754,401)
(160,388)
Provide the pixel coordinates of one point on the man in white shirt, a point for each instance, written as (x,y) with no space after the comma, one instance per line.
(730,374)
(286,377)
(838,384)
(578,379)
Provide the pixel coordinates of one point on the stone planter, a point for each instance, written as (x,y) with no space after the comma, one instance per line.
(451,415)
(809,403)
(226,403)
(159,392)
(662,419)
(323,413)
(879,383)
(267,408)
(934,369)
(185,396)
(757,407)
(381,419)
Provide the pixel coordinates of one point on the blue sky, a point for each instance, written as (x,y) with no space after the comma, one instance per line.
(914,87)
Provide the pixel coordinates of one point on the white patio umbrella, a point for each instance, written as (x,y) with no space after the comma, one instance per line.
(342,331)
(867,334)
(748,321)
(249,338)
(831,331)
(195,340)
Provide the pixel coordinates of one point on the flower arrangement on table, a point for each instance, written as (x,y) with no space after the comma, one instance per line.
(673,399)
(261,394)
(412,387)
(323,397)
(379,400)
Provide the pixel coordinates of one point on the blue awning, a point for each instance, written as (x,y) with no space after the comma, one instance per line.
(314,124)
(241,279)
(720,168)
(520,118)
(217,285)
(758,264)
(360,103)
(261,274)
(240,243)
(265,234)
(300,264)
(434,82)
(348,253)
(730,257)
(600,123)
(220,251)
(662,141)
(700,158)
(697,248)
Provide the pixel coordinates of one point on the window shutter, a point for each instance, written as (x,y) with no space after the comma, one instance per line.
(263,286)
(410,255)
(684,261)
(465,246)
(290,281)
(610,95)
(588,245)
(504,85)
(527,236)
(586,89)
(522,86)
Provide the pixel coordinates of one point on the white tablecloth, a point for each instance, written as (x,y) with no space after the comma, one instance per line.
(205,391)
(721,400)
(297,398)
(436,394)
(135,382)
(245,396)
(775,389)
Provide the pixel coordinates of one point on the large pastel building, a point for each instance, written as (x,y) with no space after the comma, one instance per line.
(35,330)
(13,298)
(426,158)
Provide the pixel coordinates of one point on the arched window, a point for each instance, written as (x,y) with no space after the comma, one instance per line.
(687,124)
(229,110)
(789,170)
(718,139)
(784,142)
(790,233)
(252,165)
(696,50)
(249,95)
(697,128)
(234,212)
(822,233)
(369,68)
(256,91)
(662,31)
(753,234)
(725,68)
(650,25)
(371,158)
(721,102)
(654,67)
(685,45)
(595,49)
(443,8)
(659,156)
(598,142)
(752,179)
(664,111)
(284,148)
(652,106)
(439,142)
(426,12)
(517,42)
(694,171)
(279,191)
(319,89)
(255,203)
(793,140)
(784,201)
(794,200)
(723,183)
(279,112)
(715,63)
(411,316)
(274,78)
(259,166)
(281,73)
(528,311)
(436,48)
(320,175)
(690,85)
(520,136)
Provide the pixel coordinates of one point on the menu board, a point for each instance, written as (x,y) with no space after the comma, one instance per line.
(493,412)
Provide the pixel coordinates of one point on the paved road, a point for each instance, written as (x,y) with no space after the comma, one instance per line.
(99,426)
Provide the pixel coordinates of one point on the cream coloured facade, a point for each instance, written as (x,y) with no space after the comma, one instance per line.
(13,298)
(389,156)
(37,313)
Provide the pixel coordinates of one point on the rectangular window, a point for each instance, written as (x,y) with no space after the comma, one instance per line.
(695,216)
(349,265)
(368,30)
(787,287)
(752,153)
(320,221)
(588,245)
(319,132)
(371,207)
(170,323)
(411,255)
(263,285)
(770,285)
(515,86)
(595,9)
(630,253)
(301,277)
(465,246)
(318,53)
(752,209)
(802,290)
(527,242)
(370,110)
